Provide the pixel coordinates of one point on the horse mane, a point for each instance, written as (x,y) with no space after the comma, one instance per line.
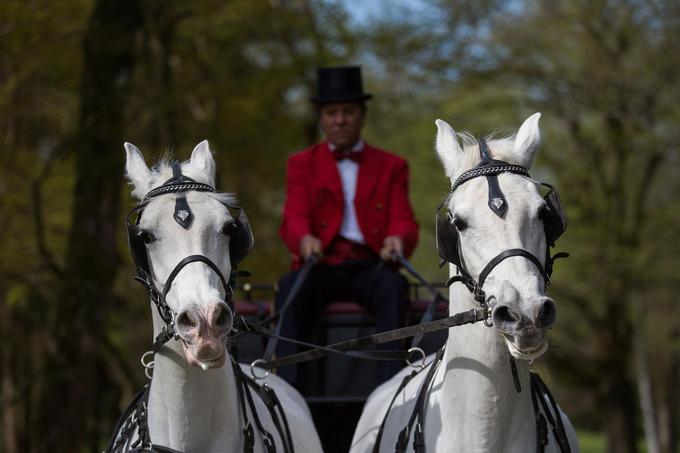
(500,148)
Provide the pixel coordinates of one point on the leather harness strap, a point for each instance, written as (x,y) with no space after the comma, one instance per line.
(418,414)
(539,393)
(297,286)
(352,348)
(540,397)
(402,385)
(134,420)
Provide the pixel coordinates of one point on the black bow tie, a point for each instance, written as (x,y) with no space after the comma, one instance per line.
(349,154)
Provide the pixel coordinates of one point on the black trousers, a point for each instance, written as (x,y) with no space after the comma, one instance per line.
(381,289)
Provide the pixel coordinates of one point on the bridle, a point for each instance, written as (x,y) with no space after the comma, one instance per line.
(240,245)
(448,238)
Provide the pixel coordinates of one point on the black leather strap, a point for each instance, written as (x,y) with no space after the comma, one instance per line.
(432,306)
(484,151)
(135,420)
(276,411)
(246,397)
(194,259)
(183,214)
(418,414)
(352,348)
(497,202)
(507,254)
(297,286)
(404,382)
(539,393)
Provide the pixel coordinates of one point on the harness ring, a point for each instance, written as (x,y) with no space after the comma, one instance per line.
(411,363)
(148,364)
(255,365)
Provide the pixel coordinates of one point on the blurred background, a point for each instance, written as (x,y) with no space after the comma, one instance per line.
(79,77)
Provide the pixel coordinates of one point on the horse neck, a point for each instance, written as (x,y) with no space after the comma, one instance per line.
(480,405)
(192,410)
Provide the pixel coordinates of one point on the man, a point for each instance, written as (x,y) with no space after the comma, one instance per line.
(347,203)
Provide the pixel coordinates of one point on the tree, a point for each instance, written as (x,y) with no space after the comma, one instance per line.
(75,383)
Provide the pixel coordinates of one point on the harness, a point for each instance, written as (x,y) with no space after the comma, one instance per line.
(544,405)
(134,420)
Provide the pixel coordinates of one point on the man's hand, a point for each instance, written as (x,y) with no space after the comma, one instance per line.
(310,245)
(391,245)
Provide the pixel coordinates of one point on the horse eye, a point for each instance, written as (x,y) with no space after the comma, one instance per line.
(147,237)
(459,223)
(544,212)
(229,227)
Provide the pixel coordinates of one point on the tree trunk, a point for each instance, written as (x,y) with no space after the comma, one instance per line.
(618,391)
(619,413)
(644,382)
(72,390)
(7,384)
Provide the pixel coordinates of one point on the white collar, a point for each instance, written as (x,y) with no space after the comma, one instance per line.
(357,148)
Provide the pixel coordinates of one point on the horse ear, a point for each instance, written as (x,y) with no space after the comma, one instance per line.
(202,160)
(137,171)
(528,140)
(448,148)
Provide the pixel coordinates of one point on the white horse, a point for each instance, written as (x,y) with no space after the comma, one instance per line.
(473,403)
(193,404)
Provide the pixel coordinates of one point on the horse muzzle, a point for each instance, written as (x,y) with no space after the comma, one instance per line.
(524,326)
(203,332)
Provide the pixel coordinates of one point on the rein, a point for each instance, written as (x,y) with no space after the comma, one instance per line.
(350,347)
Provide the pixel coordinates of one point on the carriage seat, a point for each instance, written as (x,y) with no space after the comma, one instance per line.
(349,313)
(338,313)
(256,309)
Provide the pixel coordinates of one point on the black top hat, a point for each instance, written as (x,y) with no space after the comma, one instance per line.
(340,84)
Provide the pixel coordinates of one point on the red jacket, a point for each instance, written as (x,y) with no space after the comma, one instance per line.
(314,199)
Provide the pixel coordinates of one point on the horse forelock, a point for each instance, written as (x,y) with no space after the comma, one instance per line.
(162,171)
(500,148)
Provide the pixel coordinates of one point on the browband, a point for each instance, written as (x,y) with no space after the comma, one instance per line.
(493,167)
(180,187)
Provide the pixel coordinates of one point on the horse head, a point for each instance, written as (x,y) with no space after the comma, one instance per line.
(186,242)
(496,227)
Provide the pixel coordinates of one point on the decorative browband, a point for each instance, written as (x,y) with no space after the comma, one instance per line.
(181,187)
(488,170)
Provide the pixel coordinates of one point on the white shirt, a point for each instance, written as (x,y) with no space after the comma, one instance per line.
(349,171)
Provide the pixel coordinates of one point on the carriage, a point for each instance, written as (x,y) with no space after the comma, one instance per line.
(342,384)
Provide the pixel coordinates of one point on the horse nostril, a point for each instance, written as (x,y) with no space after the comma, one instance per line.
(185,322)
(546,314)
(223,316)
(504,315)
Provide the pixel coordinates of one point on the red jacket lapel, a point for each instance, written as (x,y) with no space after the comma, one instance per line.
(369,169)
(327,175)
